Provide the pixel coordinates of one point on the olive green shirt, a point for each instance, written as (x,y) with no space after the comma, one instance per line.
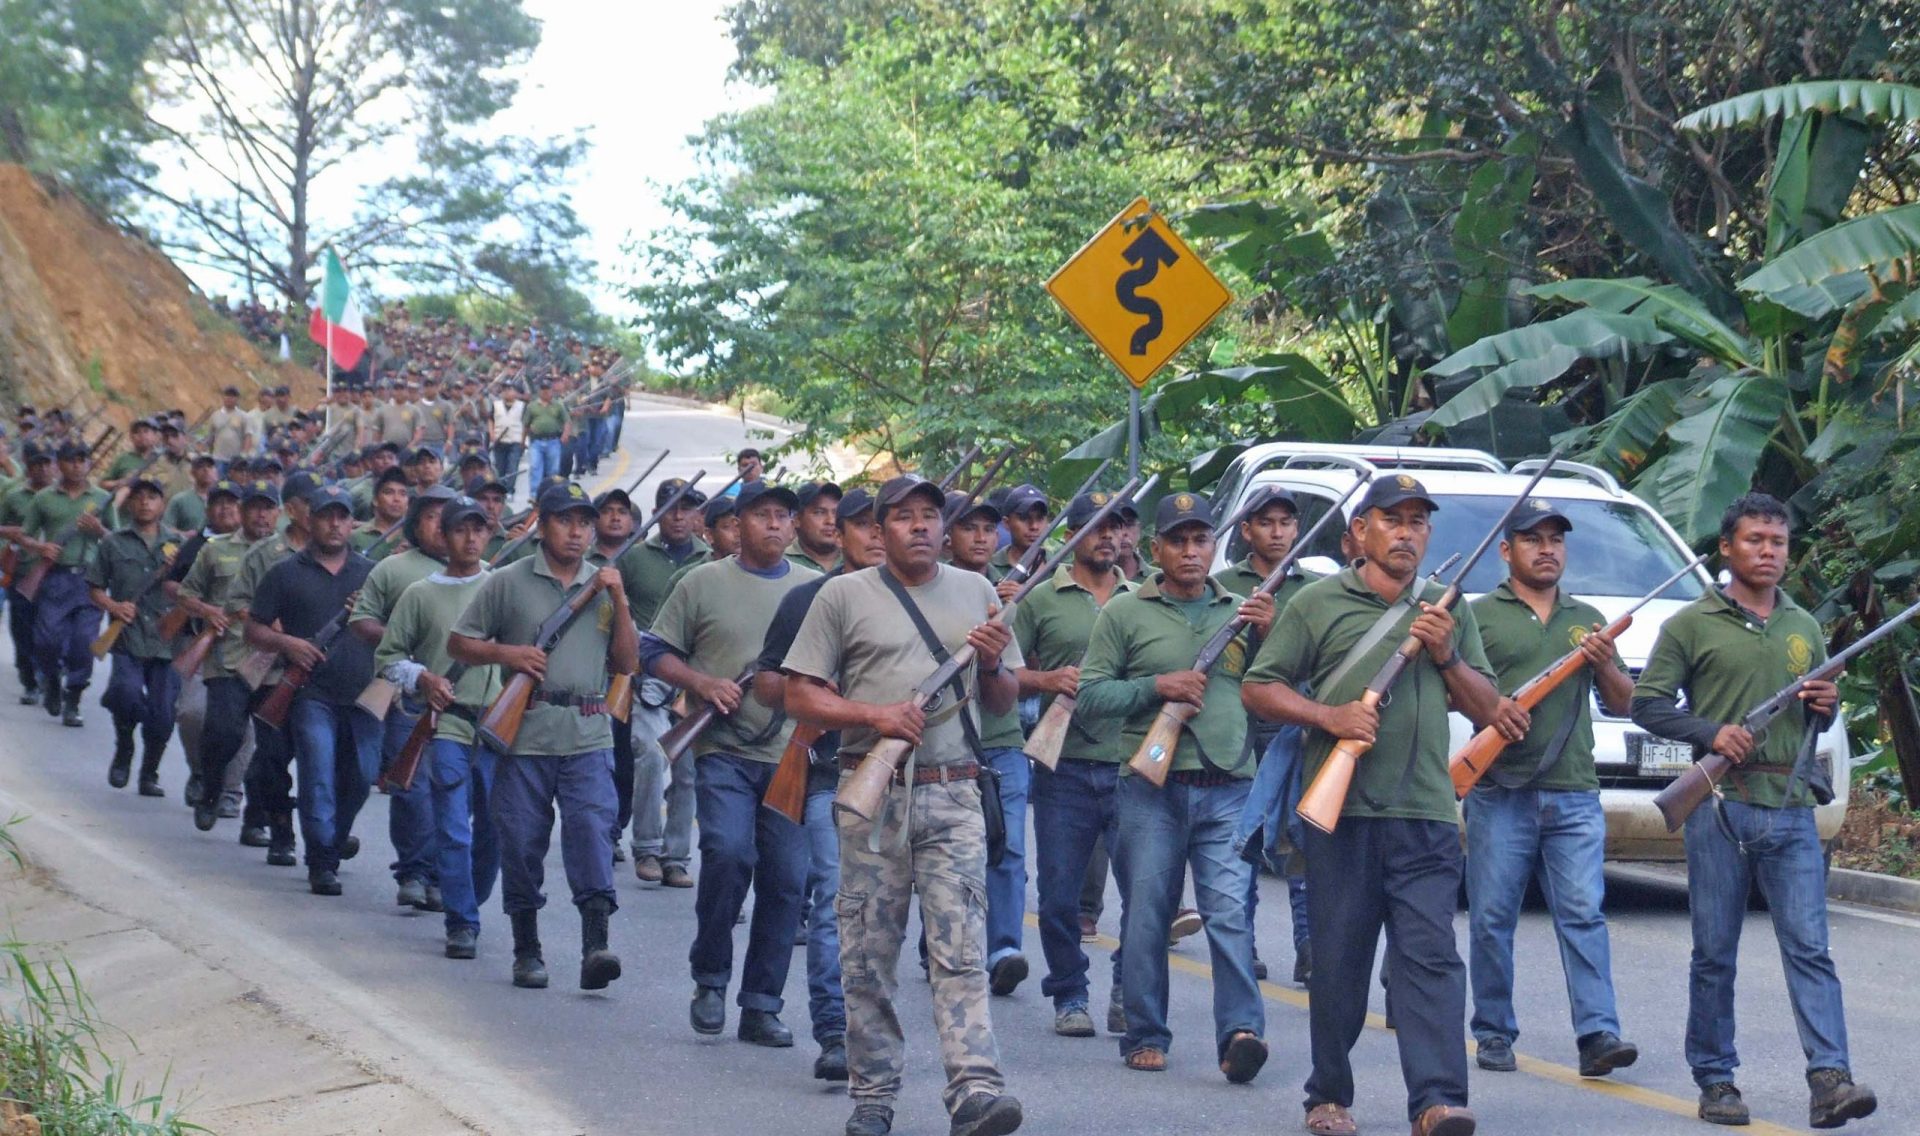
(1053,624)
(1727,661)
(174,473)
(1405,773)
(261,559)
(1519,647)
(389,578)
(125,464)
(799,559)
(510,606)
(364,537)
(186,512)
(705,556)
(857,635)
(121,563)
(646,571)
(51,515)
(1144,634)
(544,419)
(417,628)
(13,511)
(211,580)
(717,620)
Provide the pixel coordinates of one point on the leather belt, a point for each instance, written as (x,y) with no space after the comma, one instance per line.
(587,704)
(925,774)
(1202,778)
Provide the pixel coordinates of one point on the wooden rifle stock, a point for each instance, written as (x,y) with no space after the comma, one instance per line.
(187,662)
(174,622)
(1050,732)
(501,723)
(620,698)
(787,792)
(398,777)
(9,564)
(864,793)
(273,709)
(685,732)
(104,642)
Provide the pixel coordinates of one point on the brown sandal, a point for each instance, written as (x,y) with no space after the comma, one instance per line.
(1147,1060)
(1330,1119)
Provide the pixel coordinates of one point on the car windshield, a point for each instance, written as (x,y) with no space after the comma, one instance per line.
(1615,549)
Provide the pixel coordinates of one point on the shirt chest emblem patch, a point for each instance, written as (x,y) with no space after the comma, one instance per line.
(1799,653)
(1580,631)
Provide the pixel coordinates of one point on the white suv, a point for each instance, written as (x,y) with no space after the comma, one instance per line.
(1619,550)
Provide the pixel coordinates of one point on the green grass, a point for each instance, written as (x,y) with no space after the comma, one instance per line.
(51,1054)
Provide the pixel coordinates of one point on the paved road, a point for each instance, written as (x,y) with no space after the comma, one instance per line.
(625,1060)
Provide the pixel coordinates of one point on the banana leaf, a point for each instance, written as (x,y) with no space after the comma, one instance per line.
(1713,451)
(1670,306)
(1821,274)
(1871,101)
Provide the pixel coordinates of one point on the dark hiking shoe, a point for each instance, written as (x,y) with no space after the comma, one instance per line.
(1836,1099)
(984,1114)
(1720,1103)
(870,1119)
(1601,1053)
(1495,1055)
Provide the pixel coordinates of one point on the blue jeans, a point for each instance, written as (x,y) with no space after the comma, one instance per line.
(602,438)
(525,790)
(336,749)
(826,1005)
(1269,815)
(1561,835)
(410,814)
(506,463)
(1073,808)
(1007,881)
(663,794)
(144,693)
(1782,854)
(543,458)
(742,845)
(1165,831)
(461,783)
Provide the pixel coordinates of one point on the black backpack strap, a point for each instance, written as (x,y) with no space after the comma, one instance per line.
(940,656)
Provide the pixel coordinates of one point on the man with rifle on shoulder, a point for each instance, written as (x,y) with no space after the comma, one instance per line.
(1540,801)
(63,522)
(1727,652)
(142,688)
(299,612)
(20,607)
(1395,858)
(204,595)
(562,749)
(705,635)
(459,774)
(663,792)
(268,818)
(1073,800)
(410,813)
(860,547)
(144,435)
(1140,655)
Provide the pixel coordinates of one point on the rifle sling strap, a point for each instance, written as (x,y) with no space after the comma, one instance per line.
(1382,627)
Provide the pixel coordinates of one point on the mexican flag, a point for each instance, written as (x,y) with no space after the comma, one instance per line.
(336,323)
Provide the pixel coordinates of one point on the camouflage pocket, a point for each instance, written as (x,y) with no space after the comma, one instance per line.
(850,911)
(954,908)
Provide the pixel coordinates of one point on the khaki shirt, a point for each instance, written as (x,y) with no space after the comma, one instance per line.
(211,580)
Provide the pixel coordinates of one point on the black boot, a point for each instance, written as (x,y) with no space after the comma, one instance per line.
(598,965)
(529,969)
(122,768)
(50,695)
(150,771)
(29,687)
(70,706)
(280,840)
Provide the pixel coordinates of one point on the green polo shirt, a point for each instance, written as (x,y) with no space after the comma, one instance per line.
(799,559)
(510,606)
(363,538)
(1519,647)
(390,577)
(1001,563)
(211,580)
(417,631)
(1146,633)
(51,515)
(1053,624)
(646,571)
(544,419)
(186,512)
(13,511)
(1727,660)
(261,558)
(705,556)
(1405,774)
(717,620)
(125,464)
(121,563)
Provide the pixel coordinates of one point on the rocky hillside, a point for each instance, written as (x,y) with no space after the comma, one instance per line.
(90,315)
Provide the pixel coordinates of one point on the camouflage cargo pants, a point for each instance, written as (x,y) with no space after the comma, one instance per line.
(945,859)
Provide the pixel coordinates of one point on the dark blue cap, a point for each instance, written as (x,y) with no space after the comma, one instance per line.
(753,493)
(1022,499)
(563,498)
(257,491)
(1178,509)
(329,497)
(223,488)
(299,485)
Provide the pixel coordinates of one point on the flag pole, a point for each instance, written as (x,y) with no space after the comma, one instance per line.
(327,386)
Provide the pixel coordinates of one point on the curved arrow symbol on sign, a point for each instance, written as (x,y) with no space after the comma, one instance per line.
(1147,253)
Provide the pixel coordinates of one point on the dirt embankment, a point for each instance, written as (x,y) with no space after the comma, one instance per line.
(91,315)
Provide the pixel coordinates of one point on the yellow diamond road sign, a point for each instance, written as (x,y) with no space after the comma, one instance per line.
(1138,291)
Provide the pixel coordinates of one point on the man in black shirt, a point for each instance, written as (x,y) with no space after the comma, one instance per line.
(307,595)
(860,547)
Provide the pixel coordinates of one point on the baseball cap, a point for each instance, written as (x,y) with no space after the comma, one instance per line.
(898,489)
(619,495)
(223,488)
(300,485)
(143,424)
(809,492)
(135,484)
(756,492)
(235,391)
(958,508)
(1268,495)
(482,483)
(1178,509)
(259,491)
(209,459)
(853,503)
(420,453)
(671,486)
(36,453)
(717,510)
(70,450)
(330,497)
(1534,512)
(565,497)
(1386,492)
(1021,499)
(459,510)
(1081,509)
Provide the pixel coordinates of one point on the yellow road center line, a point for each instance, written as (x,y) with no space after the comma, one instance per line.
(1545,1070)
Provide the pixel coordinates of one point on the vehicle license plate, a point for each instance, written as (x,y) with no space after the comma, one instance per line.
(1662,758)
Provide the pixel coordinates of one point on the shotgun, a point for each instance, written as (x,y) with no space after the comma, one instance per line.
(1154,758)
(979,487)
(398,777)
(500,725)
(29,586)
(864,794)
(681,737)
(188,660)
(1702,779)
(1321,804)
(1472,760)
(513,546)
(787,791)
(953,474)
(258,665)
(273,708)
(111,635)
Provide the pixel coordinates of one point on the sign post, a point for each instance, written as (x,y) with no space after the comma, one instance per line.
(1141,294)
